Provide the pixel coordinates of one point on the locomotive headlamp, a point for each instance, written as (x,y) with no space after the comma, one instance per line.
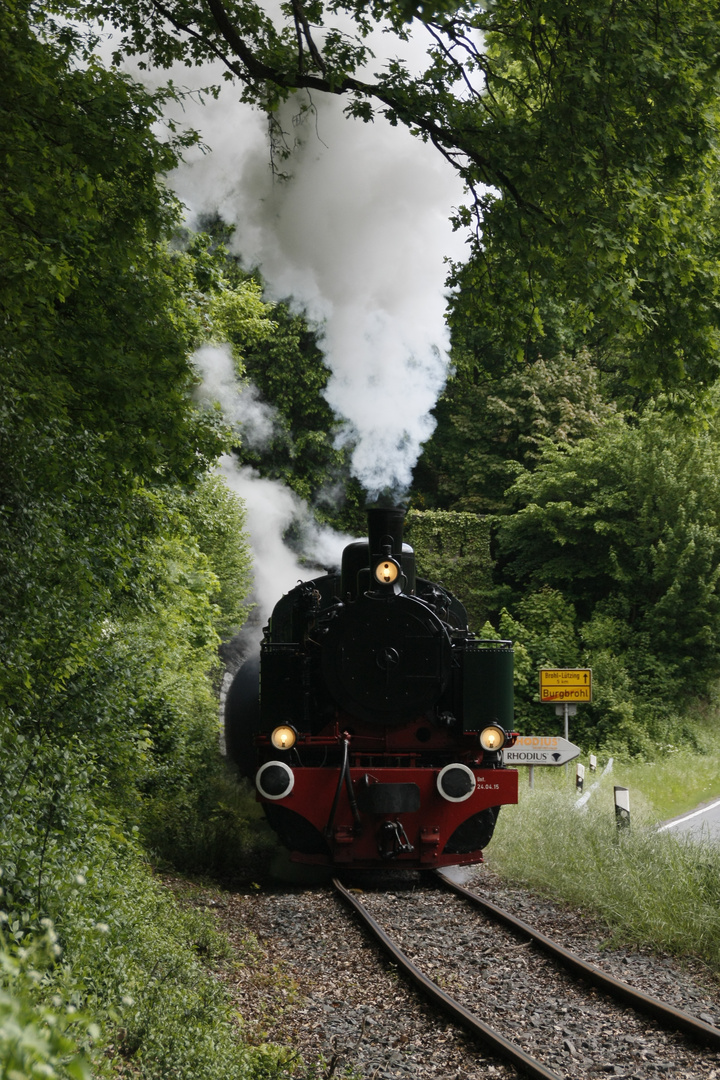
(387,571)
(284,737)
(492,738)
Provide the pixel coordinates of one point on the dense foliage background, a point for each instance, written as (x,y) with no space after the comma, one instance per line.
(570,494)
(122,560)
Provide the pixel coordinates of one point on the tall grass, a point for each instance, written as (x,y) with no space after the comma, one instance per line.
(676,782)
(649,887)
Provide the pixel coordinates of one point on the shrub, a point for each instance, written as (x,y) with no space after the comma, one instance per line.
(646,886)
(453,549)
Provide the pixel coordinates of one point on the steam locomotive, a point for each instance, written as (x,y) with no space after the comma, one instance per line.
(373,721)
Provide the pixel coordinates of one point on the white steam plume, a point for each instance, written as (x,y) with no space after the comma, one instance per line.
(357,237)
(271,507)
(242,405)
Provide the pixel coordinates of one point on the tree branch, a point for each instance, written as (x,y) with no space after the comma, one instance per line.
(460,148)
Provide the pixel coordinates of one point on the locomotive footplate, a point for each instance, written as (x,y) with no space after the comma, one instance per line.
(399,814)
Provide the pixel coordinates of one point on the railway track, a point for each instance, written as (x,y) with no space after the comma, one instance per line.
(669,1018)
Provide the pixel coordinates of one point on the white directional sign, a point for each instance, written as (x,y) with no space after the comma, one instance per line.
(540,750)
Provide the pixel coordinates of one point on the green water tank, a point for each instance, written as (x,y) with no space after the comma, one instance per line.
(487,684)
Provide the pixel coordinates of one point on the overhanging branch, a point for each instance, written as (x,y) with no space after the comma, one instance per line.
(459,147)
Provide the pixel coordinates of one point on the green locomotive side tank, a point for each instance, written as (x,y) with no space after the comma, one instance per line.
(487,684)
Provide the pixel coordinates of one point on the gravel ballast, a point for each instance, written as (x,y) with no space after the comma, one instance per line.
(308,977)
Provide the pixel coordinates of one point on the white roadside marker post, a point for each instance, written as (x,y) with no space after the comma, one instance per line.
(622,807)
(593,787)
(593,763)
(580,776)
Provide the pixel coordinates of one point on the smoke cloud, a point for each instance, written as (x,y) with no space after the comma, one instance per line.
(241,404)
(357,238)
(272,509)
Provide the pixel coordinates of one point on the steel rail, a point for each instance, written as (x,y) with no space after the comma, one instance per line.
(668,1015)
(493,1039)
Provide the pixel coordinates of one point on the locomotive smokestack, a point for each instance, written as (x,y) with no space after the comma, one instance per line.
(385,526)
(382,561)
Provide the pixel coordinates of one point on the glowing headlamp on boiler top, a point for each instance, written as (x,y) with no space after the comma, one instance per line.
(387,571)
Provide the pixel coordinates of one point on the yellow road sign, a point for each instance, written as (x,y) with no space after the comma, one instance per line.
(565,684)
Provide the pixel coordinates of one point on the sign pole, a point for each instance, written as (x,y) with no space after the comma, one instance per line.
(531,774)
(564,688)
(580,777)
(566,713)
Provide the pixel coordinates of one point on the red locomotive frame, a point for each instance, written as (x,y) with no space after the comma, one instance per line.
(356,844)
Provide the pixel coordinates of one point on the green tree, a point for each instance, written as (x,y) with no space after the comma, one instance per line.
(627,528)
(95,352)
(453,549)
(279,364)
(586,133)
(488,430)
(114,535)
(291,373)
(96,331)
(216,519)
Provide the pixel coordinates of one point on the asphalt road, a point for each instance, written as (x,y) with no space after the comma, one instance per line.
(701,824)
